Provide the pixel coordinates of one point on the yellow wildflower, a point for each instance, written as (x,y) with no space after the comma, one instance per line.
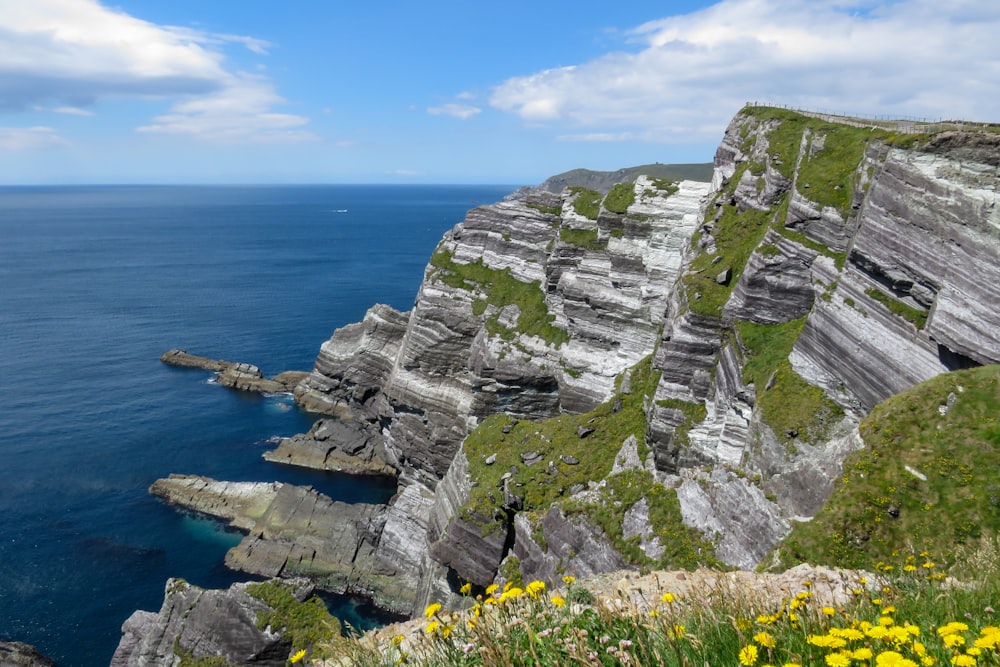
(465,589)
(432,609)
(828,611)
(511,593)
(492,588)
(677,631)
(558,601)
(301,653)
(748,655)
(397,640)
(764,639)
(432,627)
(892,659)
(952,628)
(535,589)
(567,579)
(667,597)
(862,654)
(953,640)
(963,660)
(837,660)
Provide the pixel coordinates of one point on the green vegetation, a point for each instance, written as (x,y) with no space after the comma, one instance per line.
(620,197)
(684,547)
(788,404)
(665,186)
(694,413)
(188,660)
(304,624)
(549,210)
(581,238)
(926,479)
(552,438)
(587,202)
(915,315)
(502,289)
(911,617)
(736,235)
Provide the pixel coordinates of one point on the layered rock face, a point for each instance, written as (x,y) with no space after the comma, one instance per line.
(204,623)
(883,279)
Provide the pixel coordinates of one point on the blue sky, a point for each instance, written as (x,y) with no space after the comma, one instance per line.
(325,91)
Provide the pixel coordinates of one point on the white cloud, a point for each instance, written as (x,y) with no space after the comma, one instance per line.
(455,110)
(688,74)
(73,111)
(240,112)
(70,53)
(29,138)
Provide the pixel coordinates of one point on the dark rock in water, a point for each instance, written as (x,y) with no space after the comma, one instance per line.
(236,375)
(204,623)
(16,654)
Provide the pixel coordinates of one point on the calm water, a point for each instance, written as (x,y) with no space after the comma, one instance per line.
(95,283)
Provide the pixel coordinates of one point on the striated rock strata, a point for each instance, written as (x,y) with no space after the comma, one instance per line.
(204,623)
(824,269)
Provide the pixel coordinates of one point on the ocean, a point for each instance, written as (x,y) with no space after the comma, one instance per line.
(95,284)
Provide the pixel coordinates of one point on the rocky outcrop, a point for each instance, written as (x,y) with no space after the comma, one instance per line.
(204,623)
(335,444)
(236,375)
(373,550)
(16,654)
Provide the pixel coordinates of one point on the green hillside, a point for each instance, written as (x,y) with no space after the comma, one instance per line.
(928,480)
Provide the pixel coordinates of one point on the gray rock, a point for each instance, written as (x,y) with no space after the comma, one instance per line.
(16,654)
(204,623)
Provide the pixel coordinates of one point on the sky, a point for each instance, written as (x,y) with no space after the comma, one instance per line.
(454,91)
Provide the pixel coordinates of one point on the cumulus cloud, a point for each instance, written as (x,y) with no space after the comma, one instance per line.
(455,110)
(681,78)
(70,53)
(29,138)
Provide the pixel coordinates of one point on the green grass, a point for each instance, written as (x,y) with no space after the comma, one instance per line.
(736,235)
(581,238)
(916,316)
(551,438)
(665,186)
(587,202)
(303,624)
(694,413)
(790,404)
(909,618)
(620,197)
(685,548)
(549,210)
(958,453)
(502,289)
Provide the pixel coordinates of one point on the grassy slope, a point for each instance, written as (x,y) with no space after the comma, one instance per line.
(958,453)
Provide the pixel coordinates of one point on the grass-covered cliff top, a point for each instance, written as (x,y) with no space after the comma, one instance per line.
(902,619)
(929,477)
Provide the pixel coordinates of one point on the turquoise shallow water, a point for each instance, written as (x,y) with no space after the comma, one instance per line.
(95,283)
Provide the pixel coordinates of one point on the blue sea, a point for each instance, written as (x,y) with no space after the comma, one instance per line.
(95,284)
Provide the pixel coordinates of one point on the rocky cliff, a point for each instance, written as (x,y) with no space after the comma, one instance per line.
(665,375)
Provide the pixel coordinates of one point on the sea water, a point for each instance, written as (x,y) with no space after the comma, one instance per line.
(95,284)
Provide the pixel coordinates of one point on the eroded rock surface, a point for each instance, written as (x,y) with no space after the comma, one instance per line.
(203,623)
